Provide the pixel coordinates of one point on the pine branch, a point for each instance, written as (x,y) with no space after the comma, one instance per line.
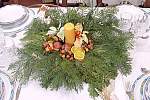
(101,64)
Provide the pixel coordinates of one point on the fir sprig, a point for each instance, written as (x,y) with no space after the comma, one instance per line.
(101,64)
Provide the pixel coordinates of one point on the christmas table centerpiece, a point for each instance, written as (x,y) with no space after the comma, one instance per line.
(68,49)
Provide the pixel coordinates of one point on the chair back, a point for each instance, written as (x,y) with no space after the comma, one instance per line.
(125,2)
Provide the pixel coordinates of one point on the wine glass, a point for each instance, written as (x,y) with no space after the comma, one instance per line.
(125,21)
(2,40)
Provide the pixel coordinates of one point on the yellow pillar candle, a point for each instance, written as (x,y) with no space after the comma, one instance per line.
(69,33)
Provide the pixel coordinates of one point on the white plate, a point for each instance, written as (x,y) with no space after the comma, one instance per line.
(11,13)
(21,26)
(134,13)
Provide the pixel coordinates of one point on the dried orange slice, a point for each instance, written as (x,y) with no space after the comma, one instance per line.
(79,53)
(73,49)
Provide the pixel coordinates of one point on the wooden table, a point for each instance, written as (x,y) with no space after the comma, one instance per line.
(99,2)
(64,2)
(1,3)
(15,1)
(147,3)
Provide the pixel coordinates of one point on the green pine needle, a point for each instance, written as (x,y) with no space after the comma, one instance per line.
(101,64)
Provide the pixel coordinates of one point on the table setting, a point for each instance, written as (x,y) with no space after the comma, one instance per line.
(26,30)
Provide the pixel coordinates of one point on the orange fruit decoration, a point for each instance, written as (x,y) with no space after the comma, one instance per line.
(79,53)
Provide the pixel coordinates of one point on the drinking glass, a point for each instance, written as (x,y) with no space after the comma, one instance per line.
(125,21)
(2,40)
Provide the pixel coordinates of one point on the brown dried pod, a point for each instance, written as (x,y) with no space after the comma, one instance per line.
(63,56)
(63,47)
(90,41)
(67,47)
(62,51)
(67,56)
(47,49)
(57,45)
(86,49)
(90,46)
(71,58)
(55,38)
(45,44)
(69,52)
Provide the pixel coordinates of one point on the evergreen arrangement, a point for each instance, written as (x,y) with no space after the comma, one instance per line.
(109,53)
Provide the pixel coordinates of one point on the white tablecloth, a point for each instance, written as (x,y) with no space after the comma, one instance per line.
(33,91)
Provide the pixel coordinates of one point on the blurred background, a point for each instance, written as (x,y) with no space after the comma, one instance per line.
(76,3)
